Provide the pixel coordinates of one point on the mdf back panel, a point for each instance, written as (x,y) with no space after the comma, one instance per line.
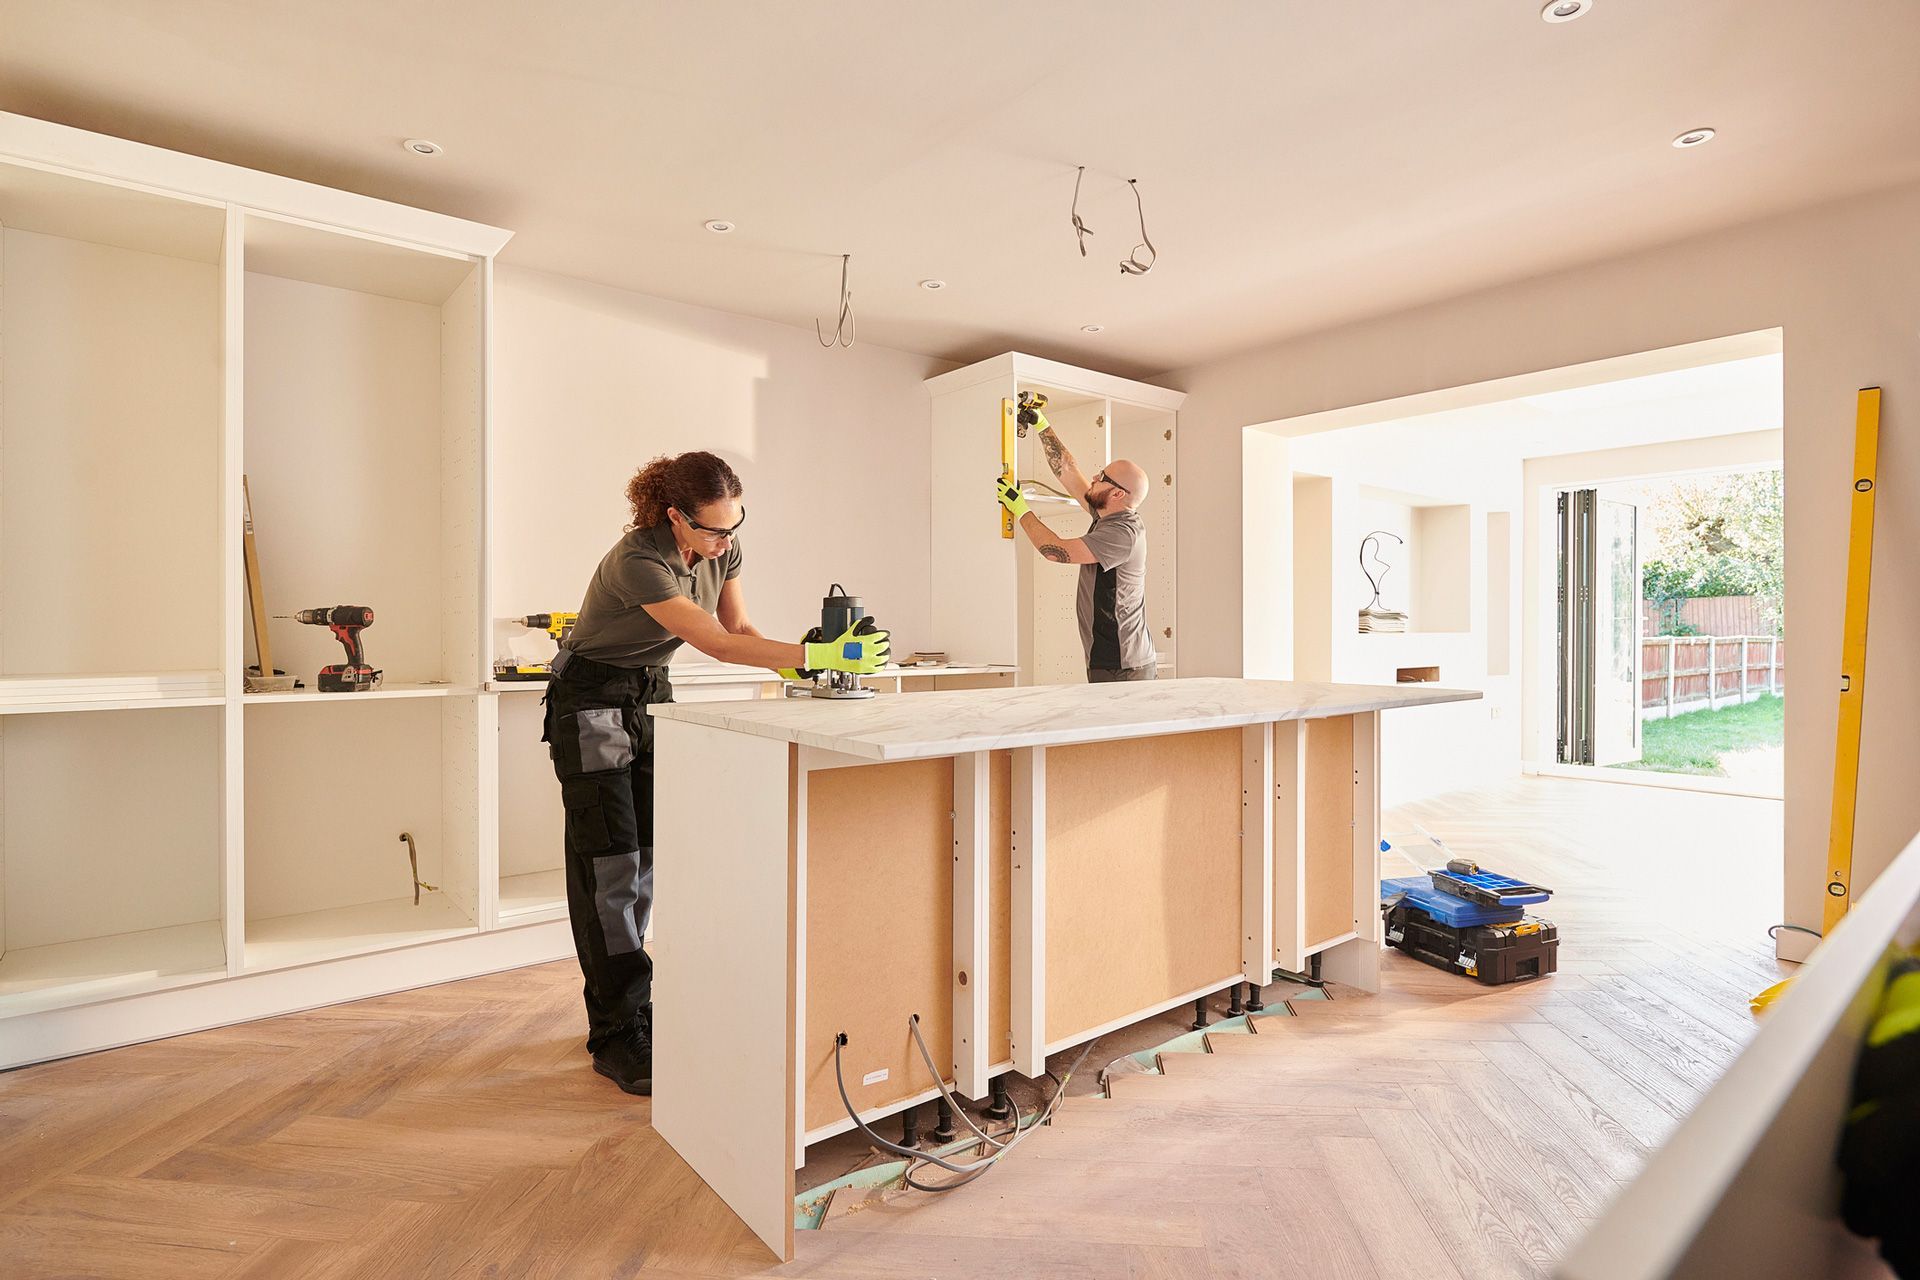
(879,940)
(109,459)
(1328,869)
(1143,866)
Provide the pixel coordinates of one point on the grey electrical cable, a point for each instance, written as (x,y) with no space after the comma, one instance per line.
(1080,229)
(913,1024)
(1042,484)
(1020,1131)
(1133,266)
(844,326)
(912,1153)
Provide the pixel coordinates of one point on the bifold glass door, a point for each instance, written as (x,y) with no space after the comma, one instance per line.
(1597,541)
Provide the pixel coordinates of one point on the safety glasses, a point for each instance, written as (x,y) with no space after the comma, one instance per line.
(710,530)
(1103,478)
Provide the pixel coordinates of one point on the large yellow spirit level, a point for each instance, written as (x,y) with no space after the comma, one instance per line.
(1853,658)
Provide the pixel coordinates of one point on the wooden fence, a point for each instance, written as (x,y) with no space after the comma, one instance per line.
(1707,615)
(1691,673)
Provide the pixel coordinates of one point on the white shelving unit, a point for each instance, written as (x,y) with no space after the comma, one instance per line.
(1101,417)
(174,852)
(330,785)
(532,820)
(112,854)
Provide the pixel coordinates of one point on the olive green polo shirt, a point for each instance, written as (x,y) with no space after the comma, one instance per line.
(643,568)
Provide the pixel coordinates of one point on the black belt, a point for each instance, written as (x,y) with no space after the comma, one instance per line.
(574,667)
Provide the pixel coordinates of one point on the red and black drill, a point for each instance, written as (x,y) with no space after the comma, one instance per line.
(346,621)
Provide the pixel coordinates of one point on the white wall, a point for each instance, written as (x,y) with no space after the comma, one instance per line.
(1436,494)
(1843,283)
(832,446)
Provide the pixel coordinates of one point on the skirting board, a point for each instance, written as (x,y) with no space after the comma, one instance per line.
(110,1024)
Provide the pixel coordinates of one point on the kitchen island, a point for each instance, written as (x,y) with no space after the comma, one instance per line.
(1024,869)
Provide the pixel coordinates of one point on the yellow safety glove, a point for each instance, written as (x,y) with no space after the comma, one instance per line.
(861,649)
(1010,497)
(788,673)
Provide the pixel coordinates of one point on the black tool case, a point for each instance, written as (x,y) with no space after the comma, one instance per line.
(1494,954)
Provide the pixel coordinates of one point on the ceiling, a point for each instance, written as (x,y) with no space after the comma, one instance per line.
(1719,399)
(1302,164)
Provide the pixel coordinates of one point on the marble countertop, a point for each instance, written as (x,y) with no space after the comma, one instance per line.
(958,721)
(732,673)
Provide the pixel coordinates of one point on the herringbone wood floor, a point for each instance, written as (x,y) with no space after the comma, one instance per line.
(1438,1129)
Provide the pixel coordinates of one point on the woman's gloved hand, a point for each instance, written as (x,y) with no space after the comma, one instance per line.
(861,649)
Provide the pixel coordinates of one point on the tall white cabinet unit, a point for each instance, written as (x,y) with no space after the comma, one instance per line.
(995,600)
(174,851)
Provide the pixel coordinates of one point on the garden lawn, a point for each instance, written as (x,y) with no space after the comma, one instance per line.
(1694,741)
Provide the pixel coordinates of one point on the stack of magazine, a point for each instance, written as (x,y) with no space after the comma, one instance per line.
(1374,619)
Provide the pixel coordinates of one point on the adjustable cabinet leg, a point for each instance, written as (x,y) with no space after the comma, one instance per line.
(910,1127)
(943,1130)
(999,1105)
(1311,978)
(1254,1003)
(1200,1014)
(1234,1008)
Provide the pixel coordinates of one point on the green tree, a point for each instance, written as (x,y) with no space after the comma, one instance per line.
(1717,536)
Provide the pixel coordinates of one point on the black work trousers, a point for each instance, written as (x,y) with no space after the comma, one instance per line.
(601,740)
(1103,675)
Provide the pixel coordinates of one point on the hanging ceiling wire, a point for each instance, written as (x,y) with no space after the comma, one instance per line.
(843,327)
(1080,229)
(1133,266)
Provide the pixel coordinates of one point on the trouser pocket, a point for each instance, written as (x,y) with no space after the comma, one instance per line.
(590,740)
(586,817)
(613,861)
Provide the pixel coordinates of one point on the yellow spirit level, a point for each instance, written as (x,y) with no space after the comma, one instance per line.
(1853,658)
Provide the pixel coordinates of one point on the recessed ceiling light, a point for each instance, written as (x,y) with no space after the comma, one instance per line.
(1565,10)
(933,284)
(1092,328)
(1693,138)
(719,226)
(421,147)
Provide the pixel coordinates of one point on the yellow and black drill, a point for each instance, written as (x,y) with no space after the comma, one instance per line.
(557,625)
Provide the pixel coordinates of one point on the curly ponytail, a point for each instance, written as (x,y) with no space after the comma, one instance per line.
(686,481)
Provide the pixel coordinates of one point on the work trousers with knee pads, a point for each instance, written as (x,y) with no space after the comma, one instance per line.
(601,740)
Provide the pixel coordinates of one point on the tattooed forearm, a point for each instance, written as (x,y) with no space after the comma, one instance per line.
(1057,554)
(1057,456)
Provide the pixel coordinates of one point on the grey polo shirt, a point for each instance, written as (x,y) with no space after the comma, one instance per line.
(644,567)
(1113,595)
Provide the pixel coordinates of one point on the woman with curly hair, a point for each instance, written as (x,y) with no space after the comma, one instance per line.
(672,578)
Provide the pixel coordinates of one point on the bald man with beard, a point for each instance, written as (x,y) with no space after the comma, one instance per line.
(1112,556)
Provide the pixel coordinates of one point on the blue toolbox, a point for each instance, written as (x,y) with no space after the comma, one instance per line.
(1487,936)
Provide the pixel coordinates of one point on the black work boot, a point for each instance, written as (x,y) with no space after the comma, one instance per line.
(627,1060)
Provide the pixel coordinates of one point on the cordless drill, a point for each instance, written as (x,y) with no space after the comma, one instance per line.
(557,625)
(346,621)
(1031,403)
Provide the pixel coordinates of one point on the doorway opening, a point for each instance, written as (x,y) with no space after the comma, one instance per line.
(1436,538)
(1671,645)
